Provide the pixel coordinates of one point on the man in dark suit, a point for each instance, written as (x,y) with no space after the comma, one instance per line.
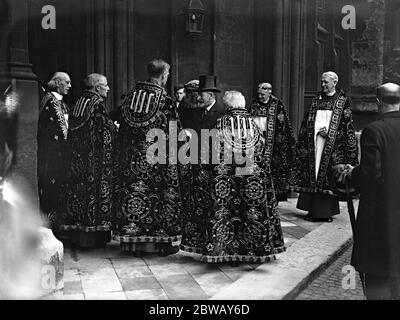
(212,110)
(376,250)
(189,110)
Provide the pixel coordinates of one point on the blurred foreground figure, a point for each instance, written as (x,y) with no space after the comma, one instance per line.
(30,256)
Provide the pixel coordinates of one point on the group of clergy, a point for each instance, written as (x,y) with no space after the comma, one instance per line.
(96,180)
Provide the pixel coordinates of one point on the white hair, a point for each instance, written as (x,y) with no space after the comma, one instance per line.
(331,75)
(234,99)
(265,86)
(93,80)
(53,84)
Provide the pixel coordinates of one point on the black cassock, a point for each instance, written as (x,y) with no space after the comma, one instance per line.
(51,153)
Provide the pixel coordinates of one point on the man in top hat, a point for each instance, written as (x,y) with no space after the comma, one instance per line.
(207,98)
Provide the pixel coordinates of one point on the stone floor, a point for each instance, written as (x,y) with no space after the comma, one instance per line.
(334,283)
(111,274)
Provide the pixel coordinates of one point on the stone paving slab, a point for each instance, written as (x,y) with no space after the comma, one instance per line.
(286,276)
(110,273)
(334,283)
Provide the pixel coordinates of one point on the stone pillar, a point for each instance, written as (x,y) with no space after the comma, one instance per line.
(297,65)
(278,50)
(25,85)
(392,43)
(4,45)
(367,59)
(120,50)
(289,57)
(131,44)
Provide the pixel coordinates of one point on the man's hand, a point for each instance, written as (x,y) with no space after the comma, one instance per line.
(348,169)
(323,132)
(343,172)
(338,169)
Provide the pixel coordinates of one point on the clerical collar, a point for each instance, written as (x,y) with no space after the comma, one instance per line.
(265,102)
(210,106)
(57,95)
(330,94)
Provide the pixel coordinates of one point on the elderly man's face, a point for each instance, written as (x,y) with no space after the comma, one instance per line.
(103,88)
(263,95)
(64,84)
(164,78)
(206,98)
(263,92)
(328,85)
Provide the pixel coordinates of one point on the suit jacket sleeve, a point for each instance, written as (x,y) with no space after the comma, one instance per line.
(369,171)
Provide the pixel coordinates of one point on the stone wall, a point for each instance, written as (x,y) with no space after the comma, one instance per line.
(367,59)
(392,43)
(24,84)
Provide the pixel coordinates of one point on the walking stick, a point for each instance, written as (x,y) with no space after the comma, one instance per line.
(350,207)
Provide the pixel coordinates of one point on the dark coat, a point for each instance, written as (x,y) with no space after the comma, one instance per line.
(209,118)
(376,247)
(190,116)
(51,153)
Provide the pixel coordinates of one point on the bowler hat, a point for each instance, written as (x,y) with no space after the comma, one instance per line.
(208,83)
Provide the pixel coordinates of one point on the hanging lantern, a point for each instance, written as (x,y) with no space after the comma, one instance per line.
(195,18)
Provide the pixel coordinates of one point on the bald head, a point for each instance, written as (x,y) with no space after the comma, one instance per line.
(60,82)
(265,86)
(332,75)
(389,95)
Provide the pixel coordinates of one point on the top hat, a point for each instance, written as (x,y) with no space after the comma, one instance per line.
(208,83)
